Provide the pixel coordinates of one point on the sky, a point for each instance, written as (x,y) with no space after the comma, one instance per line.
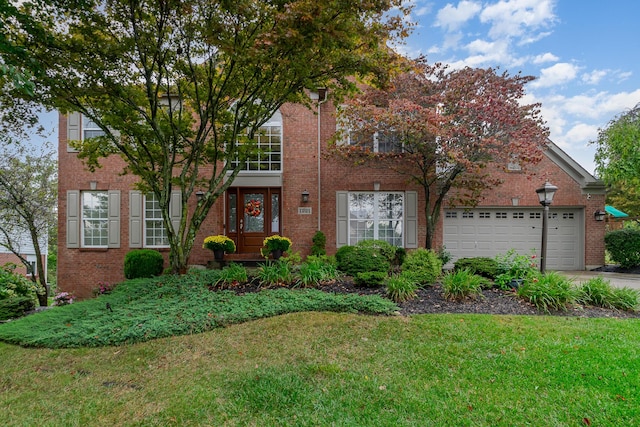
(585,55)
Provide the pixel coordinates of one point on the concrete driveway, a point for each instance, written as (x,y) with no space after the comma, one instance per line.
(616,279)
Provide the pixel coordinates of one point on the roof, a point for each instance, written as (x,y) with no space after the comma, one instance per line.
(615,212)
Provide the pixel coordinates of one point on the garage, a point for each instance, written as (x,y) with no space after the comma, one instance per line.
(492,231)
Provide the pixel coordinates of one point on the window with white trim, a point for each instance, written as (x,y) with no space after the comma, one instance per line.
(90,129)
(268,157)
(386,141)
(155,233)
(376,216)
(95,219)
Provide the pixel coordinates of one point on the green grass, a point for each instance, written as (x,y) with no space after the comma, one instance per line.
(321,369)
(311,368)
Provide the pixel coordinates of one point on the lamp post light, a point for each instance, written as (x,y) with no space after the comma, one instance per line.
(545,195)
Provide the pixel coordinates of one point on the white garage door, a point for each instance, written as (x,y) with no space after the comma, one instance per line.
(489,232)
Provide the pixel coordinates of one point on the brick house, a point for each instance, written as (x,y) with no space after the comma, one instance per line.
(301,190)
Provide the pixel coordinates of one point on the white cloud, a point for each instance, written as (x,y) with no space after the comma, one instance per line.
(594,77)
(516,18)
(545,57)
(557,74)
(452,17)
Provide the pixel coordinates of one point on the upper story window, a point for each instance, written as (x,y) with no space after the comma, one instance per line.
(381,141)
(155,233)
(95,219)
(268,157)
(90,129)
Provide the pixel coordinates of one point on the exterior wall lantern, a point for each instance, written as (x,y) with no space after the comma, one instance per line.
(599,215)
(545,196)
(199,195)
(305,196)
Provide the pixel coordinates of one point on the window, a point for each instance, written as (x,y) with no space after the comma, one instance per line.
(95,220)
(467,214)
(269,144)
(376,216)
(386,141)
(451,214)
(155,233)
(90,129)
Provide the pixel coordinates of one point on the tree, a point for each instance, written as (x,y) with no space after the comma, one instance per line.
(180,87)
(618,158)
(446,130)
(28,198)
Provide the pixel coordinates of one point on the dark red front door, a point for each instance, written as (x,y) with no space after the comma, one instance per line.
(252,215)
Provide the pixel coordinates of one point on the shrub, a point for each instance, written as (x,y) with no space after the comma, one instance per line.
(63,298)
(275,273)
(596,291)
(400,288)
(513,266)
(370,279)
(219,243)
(142,263)
(549,291)
(482,266)
(421,266)
(443,254)
(462,284)
(401,255)
(625,299)
(17,306)
(360,259)
(319,242)
(276,243)
(233,274)
(317,269)
(624,247)
(385,249)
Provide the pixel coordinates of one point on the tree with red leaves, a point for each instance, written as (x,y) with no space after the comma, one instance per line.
(448,130)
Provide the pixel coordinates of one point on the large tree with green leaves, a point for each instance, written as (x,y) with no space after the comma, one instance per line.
(180,87)
(28,200)
(618,159)
(445,130)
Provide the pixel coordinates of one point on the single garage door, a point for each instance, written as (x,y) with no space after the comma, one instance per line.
(489,232)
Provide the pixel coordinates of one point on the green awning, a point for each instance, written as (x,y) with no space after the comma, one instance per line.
(615,212)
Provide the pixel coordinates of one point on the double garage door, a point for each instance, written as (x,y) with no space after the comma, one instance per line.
(489,232)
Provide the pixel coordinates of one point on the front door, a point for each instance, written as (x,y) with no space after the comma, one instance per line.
(252,215)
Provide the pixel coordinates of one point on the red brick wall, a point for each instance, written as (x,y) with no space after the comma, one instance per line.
(80,270)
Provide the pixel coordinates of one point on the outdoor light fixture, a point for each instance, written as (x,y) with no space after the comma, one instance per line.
(545,195)
(599,215)
(199,195)
(305,196)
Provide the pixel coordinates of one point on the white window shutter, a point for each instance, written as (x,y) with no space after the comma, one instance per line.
(175,209)
(342,218)
(114,219)
(73,219)
(73,129)
(411,220)
(135,219)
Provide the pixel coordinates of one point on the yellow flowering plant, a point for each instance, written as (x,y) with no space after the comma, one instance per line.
(276,242)
(218,243)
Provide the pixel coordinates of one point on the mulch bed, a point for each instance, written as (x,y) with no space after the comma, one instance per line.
(493,301)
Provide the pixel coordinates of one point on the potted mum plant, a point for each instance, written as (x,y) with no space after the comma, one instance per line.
(219,245)
(276,245)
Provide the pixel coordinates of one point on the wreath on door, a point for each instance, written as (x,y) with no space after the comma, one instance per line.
(253,208)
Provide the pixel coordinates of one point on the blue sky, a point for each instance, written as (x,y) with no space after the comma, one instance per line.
(584,53)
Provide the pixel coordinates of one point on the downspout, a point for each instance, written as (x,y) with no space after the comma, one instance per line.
(322,98)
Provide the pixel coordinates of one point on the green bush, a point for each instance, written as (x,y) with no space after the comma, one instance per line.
(599,292)
(233,274)
(317,269)
(361,259)
(444,255)
(400,288)
(624,247)
(550,291)
(276,273)
(143,263)
(421,266)
(319,242)
(513,266)
(482,266)
(625,299)
(14,285)
(385,249)
(370,279)
(462,284)
(15,307)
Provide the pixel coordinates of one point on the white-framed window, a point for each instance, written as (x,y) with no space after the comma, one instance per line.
(382,141)
(376,216)
(95,219)
(155,233)
(90,129)
(268,157)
